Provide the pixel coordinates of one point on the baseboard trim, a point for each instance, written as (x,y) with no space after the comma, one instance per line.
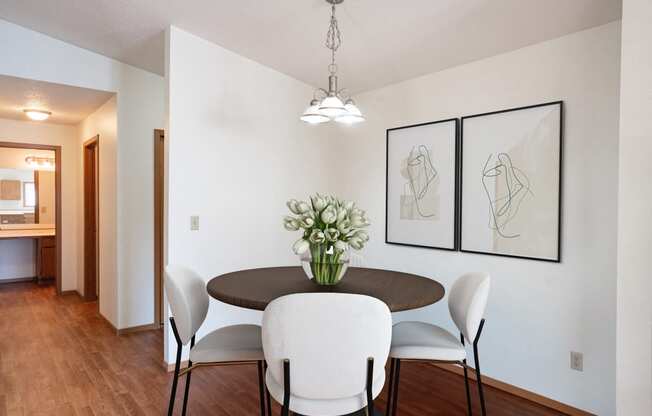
(106,321)
(518,392)
(70,292)
(138,328)
(18,280)
(170,367)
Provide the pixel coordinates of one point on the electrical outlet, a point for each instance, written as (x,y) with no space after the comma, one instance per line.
(194,223)
(576,361)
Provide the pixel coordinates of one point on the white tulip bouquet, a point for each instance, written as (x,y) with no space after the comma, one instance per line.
(330,227)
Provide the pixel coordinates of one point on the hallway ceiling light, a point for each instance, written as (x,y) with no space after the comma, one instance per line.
(332,104)
(37,115)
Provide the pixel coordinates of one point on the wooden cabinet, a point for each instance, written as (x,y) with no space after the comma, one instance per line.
(47,258)
(10,190)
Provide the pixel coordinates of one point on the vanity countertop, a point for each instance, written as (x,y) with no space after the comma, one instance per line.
(15,231)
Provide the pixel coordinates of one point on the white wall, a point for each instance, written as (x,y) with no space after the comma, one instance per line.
(141,109)
(635,204)
(538,312)
(237,151)
(103,122)
(66,137)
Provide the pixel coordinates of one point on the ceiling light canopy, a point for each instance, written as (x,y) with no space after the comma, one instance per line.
(37,115)
(332,104)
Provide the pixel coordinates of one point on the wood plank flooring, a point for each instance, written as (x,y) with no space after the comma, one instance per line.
(57,357)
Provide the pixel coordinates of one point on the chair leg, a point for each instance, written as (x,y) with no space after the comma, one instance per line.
(175,380)
(187,391)
(269,396)
(392,365)
(261,388)
(397,376)
(466,381)
(477,368)
(286,388)
(468,391)
(479,377)
(370,382)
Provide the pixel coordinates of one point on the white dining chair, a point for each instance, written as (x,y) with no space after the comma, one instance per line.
(419,341)
(235,344)
(326,352)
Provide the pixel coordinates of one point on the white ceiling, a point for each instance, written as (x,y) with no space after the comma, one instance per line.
(385,41)
(69,105)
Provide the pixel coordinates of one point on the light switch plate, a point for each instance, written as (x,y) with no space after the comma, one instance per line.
(194,223)
(577,361)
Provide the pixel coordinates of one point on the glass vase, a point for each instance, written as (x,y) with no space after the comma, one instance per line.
(324,265)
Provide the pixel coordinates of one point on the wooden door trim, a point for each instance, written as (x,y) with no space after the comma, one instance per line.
(37,206)
(57,197)
(159,183)
(88,284)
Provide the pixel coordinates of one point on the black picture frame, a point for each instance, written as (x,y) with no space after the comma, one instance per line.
(456,213)
(558,258)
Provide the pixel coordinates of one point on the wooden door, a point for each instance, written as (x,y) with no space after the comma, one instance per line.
(91,263)
(159,175)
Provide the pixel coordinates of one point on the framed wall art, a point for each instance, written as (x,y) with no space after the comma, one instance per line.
(421,185)
(511,164)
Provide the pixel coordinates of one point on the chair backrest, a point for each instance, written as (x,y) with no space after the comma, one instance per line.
(328,338)
(467,301)
(186,292)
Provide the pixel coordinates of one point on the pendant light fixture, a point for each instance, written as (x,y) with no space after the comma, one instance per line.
(332,104)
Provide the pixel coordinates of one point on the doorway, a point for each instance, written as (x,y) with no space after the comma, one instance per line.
(91,205)
(159,189)
(39,210)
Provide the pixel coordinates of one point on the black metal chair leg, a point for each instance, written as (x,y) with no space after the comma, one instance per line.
(392,365)
(370,386)
(187,391)
(269,396)
(177,368)
(397,379)
(466,382)
(468,391)
(261,388)
(479,378)
(477,368)
(286,388)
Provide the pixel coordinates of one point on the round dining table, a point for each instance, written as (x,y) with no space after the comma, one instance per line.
(256,288)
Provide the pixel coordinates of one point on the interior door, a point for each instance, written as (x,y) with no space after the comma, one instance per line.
(90,219)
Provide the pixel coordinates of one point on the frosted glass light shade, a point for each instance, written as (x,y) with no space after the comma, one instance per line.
(352,115)
(332,107)
(37,115)
(312,115)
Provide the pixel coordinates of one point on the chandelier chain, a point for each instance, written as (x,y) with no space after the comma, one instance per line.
(333,39)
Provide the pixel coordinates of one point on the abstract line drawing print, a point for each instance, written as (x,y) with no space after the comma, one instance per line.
(511,187)
(420,199)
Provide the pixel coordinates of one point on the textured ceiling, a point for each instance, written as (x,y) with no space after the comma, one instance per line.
(69,105)
(384,41)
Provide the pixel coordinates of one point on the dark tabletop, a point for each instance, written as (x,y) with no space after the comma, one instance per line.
(255,288)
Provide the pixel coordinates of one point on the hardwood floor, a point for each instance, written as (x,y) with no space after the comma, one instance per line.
(57,357)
